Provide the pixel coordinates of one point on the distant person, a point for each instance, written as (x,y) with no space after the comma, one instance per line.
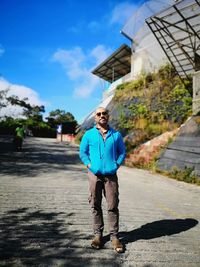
(19,137)
(102,150)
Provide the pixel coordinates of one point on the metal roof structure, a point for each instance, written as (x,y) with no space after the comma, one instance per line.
(177,29)
(145,10)
(116,65)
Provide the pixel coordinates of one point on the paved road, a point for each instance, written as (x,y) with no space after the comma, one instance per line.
(45,218)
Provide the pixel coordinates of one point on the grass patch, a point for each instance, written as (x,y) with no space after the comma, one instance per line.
(187,175)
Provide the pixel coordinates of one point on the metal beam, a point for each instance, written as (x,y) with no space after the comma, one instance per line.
(186,21)
(171,36)
(163,49)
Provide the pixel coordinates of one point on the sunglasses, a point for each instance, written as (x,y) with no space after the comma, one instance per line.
(104,113)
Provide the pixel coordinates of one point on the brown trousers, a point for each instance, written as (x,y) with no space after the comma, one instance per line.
(108,185)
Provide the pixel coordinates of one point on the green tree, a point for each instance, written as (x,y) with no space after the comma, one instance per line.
(58,116)
(3,100)
(29,111)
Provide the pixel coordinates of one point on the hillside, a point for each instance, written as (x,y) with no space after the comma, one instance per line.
(148,112)
(151,105)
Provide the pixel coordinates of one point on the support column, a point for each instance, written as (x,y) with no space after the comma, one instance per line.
(196,93)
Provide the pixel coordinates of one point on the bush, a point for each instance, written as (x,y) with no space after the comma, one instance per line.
(39,131)
(8,125)
(187,175)
(156,102)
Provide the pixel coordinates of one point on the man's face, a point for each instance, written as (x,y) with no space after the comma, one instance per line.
(101,116)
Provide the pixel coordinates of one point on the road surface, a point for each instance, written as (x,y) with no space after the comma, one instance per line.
(45,218)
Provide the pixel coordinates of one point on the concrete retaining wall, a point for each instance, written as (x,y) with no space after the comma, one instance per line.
(185,149)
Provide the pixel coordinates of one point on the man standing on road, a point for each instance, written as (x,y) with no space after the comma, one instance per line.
(102,150)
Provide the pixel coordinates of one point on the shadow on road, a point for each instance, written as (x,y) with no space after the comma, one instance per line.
(158,229)
(42,239)
(38,156)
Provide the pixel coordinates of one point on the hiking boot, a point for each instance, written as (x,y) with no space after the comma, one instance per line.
(117,245)
(97,242)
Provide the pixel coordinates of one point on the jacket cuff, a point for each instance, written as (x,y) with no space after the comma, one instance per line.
(86,163)
(118,163)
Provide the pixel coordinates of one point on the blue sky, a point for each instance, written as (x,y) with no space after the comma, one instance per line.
(49,47)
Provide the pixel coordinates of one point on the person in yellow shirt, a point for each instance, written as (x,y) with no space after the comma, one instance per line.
(19,137)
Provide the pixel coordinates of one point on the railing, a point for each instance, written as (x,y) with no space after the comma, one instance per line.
(113,85)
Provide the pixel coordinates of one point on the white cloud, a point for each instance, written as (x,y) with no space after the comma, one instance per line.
(2,50)
(100,53)
(84,90)
(78,65)
(71,60)
(122,12)
(20,91)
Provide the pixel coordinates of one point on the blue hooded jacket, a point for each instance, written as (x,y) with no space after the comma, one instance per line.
(104,156)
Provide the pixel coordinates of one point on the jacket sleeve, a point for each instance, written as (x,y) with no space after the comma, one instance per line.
(121,151)
(84,150)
